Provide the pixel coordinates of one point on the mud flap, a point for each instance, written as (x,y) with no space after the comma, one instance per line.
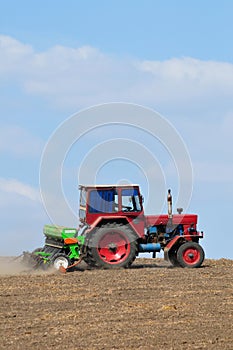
(171,245)
(166,258)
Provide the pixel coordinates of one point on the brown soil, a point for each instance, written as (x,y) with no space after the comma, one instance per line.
(149,306)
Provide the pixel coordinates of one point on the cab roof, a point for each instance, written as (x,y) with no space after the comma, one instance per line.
(108,186)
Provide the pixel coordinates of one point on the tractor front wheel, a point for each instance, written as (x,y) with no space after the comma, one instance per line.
(112,246)
(190,254)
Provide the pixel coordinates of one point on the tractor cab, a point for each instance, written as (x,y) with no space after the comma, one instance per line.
(109,200)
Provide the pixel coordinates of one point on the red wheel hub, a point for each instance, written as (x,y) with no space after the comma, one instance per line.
(191,256)
(114,247)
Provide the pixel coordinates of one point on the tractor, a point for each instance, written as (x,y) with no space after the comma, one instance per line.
(117,229)
(113,230)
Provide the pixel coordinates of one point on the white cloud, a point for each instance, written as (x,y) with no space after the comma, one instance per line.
(16,187)
(76,77)
(79,77)
(14,57)
(202,73)
(187,81)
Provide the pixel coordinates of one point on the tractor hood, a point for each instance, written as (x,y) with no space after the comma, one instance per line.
(186,219)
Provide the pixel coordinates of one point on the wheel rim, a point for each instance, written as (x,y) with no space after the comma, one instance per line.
(60,262)
(114,247)
(191,256)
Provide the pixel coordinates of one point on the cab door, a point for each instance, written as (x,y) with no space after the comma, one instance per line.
(131,207)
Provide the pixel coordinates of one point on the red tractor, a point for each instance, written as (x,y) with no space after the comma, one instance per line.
(116,229)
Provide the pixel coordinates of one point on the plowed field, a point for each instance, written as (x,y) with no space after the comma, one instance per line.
(149,306)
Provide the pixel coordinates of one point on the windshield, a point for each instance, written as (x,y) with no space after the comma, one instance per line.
(130,200)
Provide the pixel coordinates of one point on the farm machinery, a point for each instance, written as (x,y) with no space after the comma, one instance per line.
(113,230)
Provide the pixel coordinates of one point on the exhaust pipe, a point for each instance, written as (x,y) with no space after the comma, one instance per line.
(169,205)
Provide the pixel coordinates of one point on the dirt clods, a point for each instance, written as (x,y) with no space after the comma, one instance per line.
(149,306)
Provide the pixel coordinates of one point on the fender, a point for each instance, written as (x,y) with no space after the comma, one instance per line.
(175,241)
(109,219)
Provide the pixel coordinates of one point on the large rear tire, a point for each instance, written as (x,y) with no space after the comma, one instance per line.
(190,254)
(112,246)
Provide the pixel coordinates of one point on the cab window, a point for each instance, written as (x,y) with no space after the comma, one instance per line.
(83,194)
(130,200)
(103,201)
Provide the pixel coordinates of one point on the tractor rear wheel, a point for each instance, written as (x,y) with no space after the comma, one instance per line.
(112,246)
(190,254)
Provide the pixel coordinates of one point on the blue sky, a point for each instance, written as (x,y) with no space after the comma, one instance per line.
(58,57)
